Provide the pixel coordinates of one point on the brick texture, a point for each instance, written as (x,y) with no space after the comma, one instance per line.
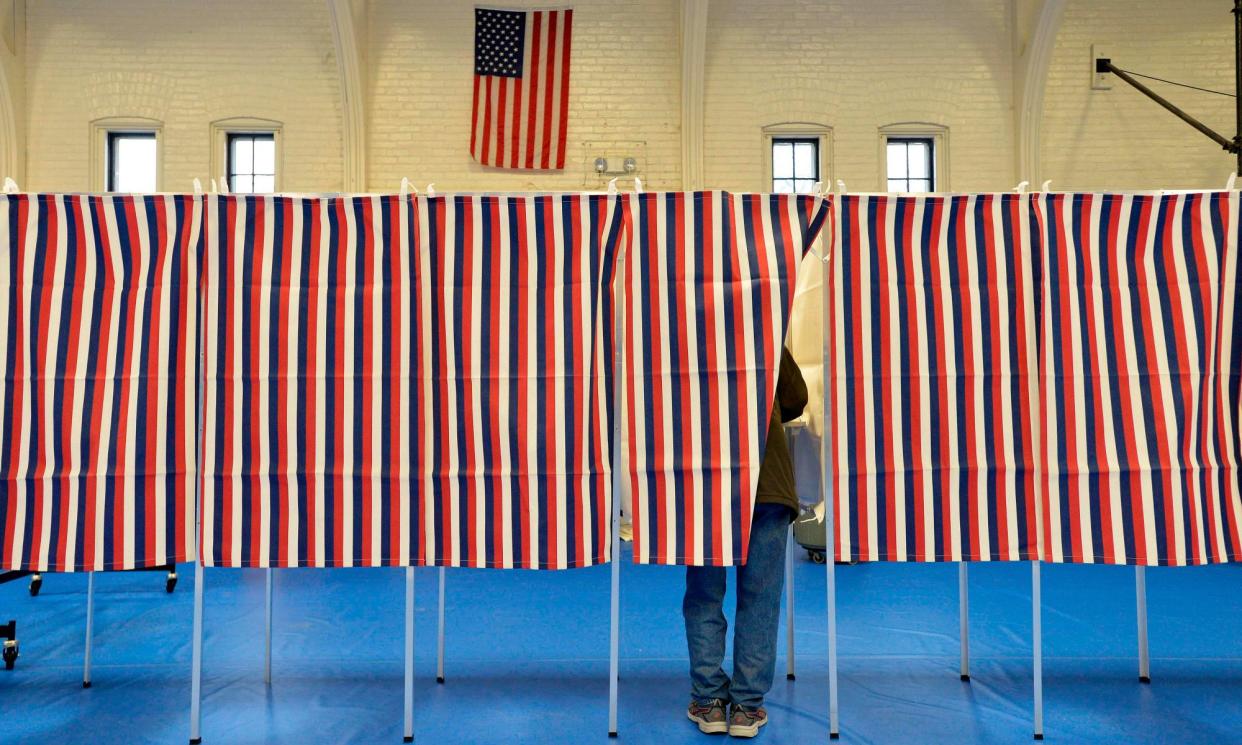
(186,64)
(1118,138)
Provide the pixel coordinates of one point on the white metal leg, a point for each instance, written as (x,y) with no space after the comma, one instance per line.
(196,666)
(90,628)
(789,606)
(408,732)
(1038,651)
(830,528)
(614,631)
(963,592)
(267,629)
(440,634)
(1140,593)
(614,634)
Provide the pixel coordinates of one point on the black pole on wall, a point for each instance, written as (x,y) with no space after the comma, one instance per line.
(1237,81)
(1232,145)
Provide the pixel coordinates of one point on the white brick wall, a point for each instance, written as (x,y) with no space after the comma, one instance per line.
(1118,138)
(853,65)
(623,88)
(186,63)
(856,66)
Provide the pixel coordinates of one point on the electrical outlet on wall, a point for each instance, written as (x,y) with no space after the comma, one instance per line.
(1100,81)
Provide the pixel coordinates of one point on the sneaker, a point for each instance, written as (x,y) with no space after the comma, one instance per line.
(709,716)
(745,722)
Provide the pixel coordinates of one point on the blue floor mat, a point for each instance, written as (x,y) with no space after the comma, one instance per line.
(527,658)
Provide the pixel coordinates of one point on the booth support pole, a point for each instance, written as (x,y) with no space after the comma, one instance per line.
(90,628)
(267,628)
(440,633)
(614,631)
(826,487)
(614,634)
(963,592)
(1037,651)
(196,665)
(408,731)
(789,605)
(1140,593)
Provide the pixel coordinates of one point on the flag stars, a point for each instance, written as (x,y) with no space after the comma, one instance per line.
(499,37)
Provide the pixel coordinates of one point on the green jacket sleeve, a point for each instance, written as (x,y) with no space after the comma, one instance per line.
(791,393)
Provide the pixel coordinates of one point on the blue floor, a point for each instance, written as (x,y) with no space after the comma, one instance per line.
(527,658)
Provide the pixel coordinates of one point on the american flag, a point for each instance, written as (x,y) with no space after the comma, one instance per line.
(98,325)
(521,87)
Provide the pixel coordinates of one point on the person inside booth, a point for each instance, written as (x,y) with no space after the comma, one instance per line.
(760,582)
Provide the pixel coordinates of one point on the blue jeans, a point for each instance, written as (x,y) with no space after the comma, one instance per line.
(759,585)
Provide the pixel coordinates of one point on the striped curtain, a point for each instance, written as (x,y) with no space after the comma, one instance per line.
(307,341)
(1140,378)
(709,288)
(933,316)
(513,378)
(98,324)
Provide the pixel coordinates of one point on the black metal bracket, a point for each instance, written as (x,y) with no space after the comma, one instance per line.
(1229,144)
(1105,65)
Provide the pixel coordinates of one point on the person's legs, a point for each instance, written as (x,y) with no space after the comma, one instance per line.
(705,632)
(759,584)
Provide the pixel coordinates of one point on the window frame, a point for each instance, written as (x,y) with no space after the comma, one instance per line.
(821,133)
(229,138)
(222,130)
(936,134)
(102,133)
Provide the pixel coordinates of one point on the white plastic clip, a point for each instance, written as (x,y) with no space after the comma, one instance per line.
(1021,187)
(406,186)
(431,190)
(198,186)
(214,188)
(1233,179)
(10,186)
(224,185)
(612,185)
(841,186)
(1047,186)
(638,185)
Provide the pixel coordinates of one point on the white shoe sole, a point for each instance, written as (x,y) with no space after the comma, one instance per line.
(709,728)
(737,730)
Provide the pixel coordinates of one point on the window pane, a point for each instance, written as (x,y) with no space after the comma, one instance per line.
(133,163)
(783,185)
(782,160)
(264,184)
(265,155)
(919,185)
(896,159)
(897,184)
(920,160)
(804,185)
(804,160)
(242,160)
(242,184)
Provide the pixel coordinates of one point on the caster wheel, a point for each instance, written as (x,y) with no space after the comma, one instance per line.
(816,556)
(36,584)
(171,583)
(10,654)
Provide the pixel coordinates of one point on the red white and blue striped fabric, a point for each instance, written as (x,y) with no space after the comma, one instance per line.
(98,323)
(513,379)
(1140,378)
(307,433)
(709,290)
(933,378)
